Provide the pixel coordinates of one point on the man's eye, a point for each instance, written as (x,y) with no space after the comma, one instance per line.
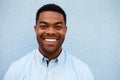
(43,26)
(58,27)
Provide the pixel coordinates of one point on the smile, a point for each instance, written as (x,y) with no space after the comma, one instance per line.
(50,40)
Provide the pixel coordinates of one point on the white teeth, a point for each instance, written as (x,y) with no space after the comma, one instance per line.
(50,40)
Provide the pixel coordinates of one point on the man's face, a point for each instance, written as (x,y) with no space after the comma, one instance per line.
(50,31)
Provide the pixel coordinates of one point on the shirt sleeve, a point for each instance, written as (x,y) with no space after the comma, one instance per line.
(85,73)
(11,73)
(88,74)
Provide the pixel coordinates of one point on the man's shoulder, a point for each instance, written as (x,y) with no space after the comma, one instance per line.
(80,67)
(74,58)
(19,66)
(23,60)
(76,62)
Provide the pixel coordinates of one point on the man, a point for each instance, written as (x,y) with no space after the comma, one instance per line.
(50,61)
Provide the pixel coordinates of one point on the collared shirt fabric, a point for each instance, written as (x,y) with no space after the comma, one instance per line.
(34,66)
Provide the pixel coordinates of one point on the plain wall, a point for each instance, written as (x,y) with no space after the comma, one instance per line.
(93,33)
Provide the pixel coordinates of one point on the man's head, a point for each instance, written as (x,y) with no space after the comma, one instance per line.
(51,7)
(50,30)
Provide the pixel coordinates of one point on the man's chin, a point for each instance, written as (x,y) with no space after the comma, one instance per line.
(50,51)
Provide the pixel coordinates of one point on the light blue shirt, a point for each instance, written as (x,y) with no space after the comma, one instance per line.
(33,66)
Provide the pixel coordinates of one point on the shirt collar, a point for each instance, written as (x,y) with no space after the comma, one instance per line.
(59,60)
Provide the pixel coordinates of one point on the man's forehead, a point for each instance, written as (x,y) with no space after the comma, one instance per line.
(47,17)
(55,23)
(50,14)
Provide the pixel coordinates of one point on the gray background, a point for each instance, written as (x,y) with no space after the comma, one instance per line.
(93,33)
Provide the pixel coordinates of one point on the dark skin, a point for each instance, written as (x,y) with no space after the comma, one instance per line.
(50,31)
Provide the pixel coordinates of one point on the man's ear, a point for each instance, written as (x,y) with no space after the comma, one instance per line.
(35,28)
(66,28)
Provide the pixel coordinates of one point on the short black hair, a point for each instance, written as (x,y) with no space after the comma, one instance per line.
(51,7)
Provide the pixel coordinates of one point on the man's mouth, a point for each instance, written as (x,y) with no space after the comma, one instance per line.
(50,40)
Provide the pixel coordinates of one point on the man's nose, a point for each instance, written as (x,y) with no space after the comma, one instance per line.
(51,30)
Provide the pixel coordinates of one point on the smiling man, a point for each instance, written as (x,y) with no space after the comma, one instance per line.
(50,61)
(50,30)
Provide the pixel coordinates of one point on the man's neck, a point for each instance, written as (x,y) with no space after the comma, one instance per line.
(51,55)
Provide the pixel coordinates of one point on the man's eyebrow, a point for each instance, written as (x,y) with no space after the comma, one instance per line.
(58,23)
(43,22)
